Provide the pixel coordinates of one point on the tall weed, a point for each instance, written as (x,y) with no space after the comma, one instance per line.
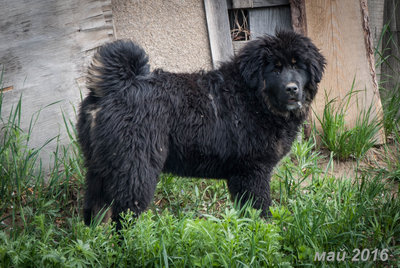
(343,141)
(26,187)
(391,102)
(390,96)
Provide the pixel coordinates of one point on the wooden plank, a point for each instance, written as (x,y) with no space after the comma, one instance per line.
(376,12)
(267,20)
(44,48)
(298,14)
(269,3)
(336,27)
(218,31)
(235,4)
(238,45)
(391,41)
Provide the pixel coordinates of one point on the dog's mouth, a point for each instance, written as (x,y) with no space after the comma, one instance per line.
(293,104)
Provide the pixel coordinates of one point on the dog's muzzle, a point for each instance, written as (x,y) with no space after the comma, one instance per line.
(294,94)
(294,106)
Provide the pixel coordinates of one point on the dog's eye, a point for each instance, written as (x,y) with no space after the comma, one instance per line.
(278,67)
(294,63)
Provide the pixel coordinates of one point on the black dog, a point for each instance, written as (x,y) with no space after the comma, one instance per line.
(234,123)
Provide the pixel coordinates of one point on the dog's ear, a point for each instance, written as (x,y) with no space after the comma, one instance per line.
(252,58)
(316,64)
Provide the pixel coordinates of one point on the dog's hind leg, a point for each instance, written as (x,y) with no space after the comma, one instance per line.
(94,201)
(130,146)
(132,159)
(129,185)
(126,182)
(134,182)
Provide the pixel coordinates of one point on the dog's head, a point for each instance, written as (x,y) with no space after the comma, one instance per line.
(284,69)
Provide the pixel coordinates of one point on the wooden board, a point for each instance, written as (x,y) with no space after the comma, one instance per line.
(44,48)
(233,4)
(391,43)
(298,14)
(267,20)
(218,30)
(376,12)
(340,29)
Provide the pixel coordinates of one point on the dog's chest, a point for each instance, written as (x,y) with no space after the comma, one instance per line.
(270,142)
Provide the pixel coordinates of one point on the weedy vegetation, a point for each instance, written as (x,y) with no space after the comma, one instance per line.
(193,222)
(344,142)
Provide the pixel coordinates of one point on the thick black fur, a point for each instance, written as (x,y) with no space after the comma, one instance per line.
(233,123)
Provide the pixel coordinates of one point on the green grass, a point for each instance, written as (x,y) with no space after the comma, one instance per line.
(391,118)
(391,168)
(338,138)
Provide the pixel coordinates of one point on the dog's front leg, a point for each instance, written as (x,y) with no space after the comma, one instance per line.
(252,187)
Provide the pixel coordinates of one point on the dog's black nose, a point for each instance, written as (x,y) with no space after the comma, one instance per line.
(292,89)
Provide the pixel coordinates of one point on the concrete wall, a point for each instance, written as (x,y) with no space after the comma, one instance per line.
(173,33)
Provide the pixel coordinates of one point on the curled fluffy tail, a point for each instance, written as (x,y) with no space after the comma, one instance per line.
(115,66)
